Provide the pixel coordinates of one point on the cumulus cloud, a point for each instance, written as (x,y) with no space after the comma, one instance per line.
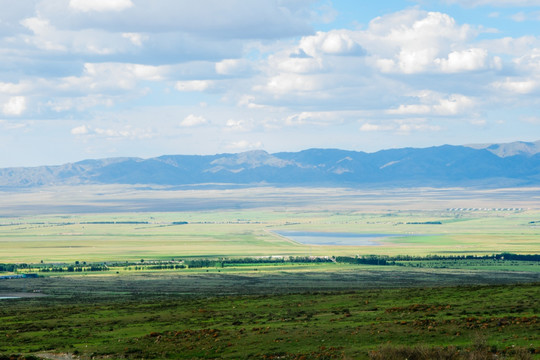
(100,5)
(244,145)
(367,127)
(193,120)
(161,31)
(435,104)
(51,37)
(335,42)
(286,83)
(531,119)
(467,60)
(406,128)
(193,85)
(265,19)
(135,38)
(15,106)
(238,125)
(233,67)
(415,41)
(81,103)
(296,64)
(80,130)
(314,118)
(122,73)
(314,71)
(12,88)
(115,132)
(475,3)
(400,126)
(262,63)
(127,132)
(97,85)
(518,86)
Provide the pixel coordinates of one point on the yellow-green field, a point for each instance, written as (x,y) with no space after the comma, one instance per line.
(304,308)
(249,233)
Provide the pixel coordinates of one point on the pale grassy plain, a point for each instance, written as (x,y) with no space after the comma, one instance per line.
(55,224)
(250,233)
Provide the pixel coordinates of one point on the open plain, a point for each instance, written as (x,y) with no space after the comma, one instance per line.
(210,277)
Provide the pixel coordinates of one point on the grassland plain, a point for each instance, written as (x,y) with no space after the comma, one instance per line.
(481,308)
(132,236)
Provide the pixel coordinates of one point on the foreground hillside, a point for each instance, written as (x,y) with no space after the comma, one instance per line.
(494,165)
(474,322)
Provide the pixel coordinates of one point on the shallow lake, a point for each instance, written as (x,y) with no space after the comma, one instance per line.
(335,238)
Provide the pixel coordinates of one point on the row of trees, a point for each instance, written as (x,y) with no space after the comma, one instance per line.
(72,268)
(202,263)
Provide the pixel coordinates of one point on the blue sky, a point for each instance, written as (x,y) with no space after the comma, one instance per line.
(104,78)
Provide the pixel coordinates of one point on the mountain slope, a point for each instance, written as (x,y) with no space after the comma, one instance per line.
(511,149)
(435,166)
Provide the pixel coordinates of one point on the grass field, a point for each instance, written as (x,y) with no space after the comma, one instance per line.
(259,316)
(412,309)
(249,233)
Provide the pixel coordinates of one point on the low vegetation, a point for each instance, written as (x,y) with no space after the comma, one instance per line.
(464,322)
(458,283)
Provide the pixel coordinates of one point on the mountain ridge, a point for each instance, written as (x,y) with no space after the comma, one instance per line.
(445,165)
(510,149)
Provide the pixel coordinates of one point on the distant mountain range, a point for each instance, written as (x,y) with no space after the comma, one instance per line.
(511,149)
(490,165)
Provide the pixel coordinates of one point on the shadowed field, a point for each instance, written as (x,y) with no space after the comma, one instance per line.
(151,317)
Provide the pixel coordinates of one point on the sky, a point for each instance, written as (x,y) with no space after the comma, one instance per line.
(83,79)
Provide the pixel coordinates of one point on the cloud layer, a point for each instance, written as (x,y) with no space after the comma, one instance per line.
(141,77)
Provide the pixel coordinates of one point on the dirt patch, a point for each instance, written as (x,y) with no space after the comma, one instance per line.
(58,356)
(16,295)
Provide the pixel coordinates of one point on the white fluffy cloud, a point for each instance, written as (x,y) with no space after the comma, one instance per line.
(467,60)
(243,145)
(117,133)
(435,104)
(401,127)
(215,18)
(474,3)
(240,125)
(358,68)
(135,38)
(286,83)
(233,67)
(335,42)
(100,5)
(314,118)
(15,106)
(518,86)
(193,85)
(193,120)
(414,41)
(80,130)
(263,68)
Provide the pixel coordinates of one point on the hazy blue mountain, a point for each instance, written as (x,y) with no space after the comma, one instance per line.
(435,166)
(511,149)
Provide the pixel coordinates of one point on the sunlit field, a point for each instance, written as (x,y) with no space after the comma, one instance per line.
(132,236)
(205,279)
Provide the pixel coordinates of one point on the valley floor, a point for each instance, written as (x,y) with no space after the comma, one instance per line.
(328,314)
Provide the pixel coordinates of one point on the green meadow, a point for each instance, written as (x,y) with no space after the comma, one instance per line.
(202,274)
(285,316)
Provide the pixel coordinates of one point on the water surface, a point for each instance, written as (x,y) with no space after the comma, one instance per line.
(335,238)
